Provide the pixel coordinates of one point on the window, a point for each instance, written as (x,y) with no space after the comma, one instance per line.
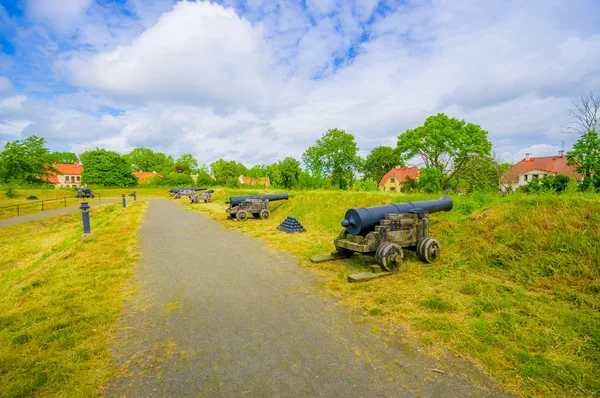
(78,179)
(525,177)
(392,179)
(392,189)
(536,175)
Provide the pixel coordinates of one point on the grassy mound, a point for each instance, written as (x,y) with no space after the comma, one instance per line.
(60,297)
(517,287)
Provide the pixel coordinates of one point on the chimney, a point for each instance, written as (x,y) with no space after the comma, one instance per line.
(527,157)
(561,153)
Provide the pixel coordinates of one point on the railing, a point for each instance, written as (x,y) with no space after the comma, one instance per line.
(41,202)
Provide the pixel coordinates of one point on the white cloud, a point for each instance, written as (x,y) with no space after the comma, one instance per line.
(61,15)
(5,85)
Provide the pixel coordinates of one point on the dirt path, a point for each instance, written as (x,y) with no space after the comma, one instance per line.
(219,314)
(49,213)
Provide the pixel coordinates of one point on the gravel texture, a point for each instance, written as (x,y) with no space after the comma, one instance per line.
(220,314)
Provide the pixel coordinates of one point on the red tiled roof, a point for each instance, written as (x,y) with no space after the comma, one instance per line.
(65,169)
(143,174)
(401,173)
(252,181)
(551,164)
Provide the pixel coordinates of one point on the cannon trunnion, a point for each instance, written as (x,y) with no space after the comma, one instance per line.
(386,231)
(240,207)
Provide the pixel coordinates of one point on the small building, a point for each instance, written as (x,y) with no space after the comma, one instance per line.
(531,168)
(145,177)
(69,175)
(393,179)
(253,181)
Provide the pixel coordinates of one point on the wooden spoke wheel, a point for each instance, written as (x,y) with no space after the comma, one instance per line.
(428,250)
(264,214)
(241,215)
(389,256)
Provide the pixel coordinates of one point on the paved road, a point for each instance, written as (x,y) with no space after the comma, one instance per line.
(49,213)
(219,314)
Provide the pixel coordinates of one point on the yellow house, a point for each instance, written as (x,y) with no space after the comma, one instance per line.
(392,180)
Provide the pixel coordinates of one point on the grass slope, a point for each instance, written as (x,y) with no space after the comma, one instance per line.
(60,297)
(517,287)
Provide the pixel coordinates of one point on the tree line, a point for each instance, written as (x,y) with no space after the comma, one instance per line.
(454,155)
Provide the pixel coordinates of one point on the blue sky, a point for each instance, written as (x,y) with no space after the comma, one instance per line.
(259,80)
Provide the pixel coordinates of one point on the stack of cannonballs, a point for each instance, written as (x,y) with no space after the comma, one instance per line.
(290,224)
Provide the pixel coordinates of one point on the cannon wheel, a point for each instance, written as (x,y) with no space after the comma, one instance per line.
(241,215)
(264,214)
(428,250)
(389,256)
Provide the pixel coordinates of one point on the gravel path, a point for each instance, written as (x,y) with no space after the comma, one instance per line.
(219,314)
(49,213)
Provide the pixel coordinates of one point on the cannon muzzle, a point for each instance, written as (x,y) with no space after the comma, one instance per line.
(210,191)
(236,200)
(361,220)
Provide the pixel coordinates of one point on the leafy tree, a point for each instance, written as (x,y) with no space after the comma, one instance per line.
(26,161)
(64,157)
(429,180)
(334,153)
(549,183)
(445,144)
(585,156)
(289,172)
(224,171)
(366,184)
(145,159)
(483,173)
(186,163)
(381,160)
(102,167)
(258,171)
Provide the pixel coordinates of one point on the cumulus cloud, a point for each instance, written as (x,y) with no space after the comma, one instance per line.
(261,82)
(61,15)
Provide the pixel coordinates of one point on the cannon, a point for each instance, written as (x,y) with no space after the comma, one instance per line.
(181,192)
(258,206)
(386,230)
(84,193)
(206,196)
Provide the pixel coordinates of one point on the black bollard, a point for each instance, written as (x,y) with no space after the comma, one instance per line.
(124,201)
(85,217)
(134,196)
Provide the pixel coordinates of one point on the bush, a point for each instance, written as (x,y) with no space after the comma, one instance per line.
(366,184)
(10,190)
(549,183)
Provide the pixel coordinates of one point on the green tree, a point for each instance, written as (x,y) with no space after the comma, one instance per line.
(145,159)
(225,171)
(26,161)
(258,171)
(585,156)
(186,163)
(64,157)
(445,144)
(483,173)
(289,172)
(102,167)
(334,153)
(381,160)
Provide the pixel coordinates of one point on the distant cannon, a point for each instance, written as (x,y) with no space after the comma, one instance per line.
(386,230)
(258,206)
(206,196)
(181,192)
(84,193)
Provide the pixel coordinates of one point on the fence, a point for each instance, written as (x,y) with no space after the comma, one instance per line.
(41,202)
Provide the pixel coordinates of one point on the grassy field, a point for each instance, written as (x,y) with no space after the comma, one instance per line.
(517,288)
(59,298)
(67,196)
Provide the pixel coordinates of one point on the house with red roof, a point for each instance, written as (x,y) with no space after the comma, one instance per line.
(253,181)
(69,175)
(144,176)
(531,168)
(393,179)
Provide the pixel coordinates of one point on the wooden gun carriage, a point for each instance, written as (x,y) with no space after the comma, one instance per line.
(241,206)
(386,231)
(179,193)
(206,196)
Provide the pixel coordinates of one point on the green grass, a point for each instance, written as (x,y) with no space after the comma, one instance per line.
(517,288)
(60,296)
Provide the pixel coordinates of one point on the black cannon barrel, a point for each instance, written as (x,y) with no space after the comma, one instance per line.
(360,220)
(210,191)
(236,200)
